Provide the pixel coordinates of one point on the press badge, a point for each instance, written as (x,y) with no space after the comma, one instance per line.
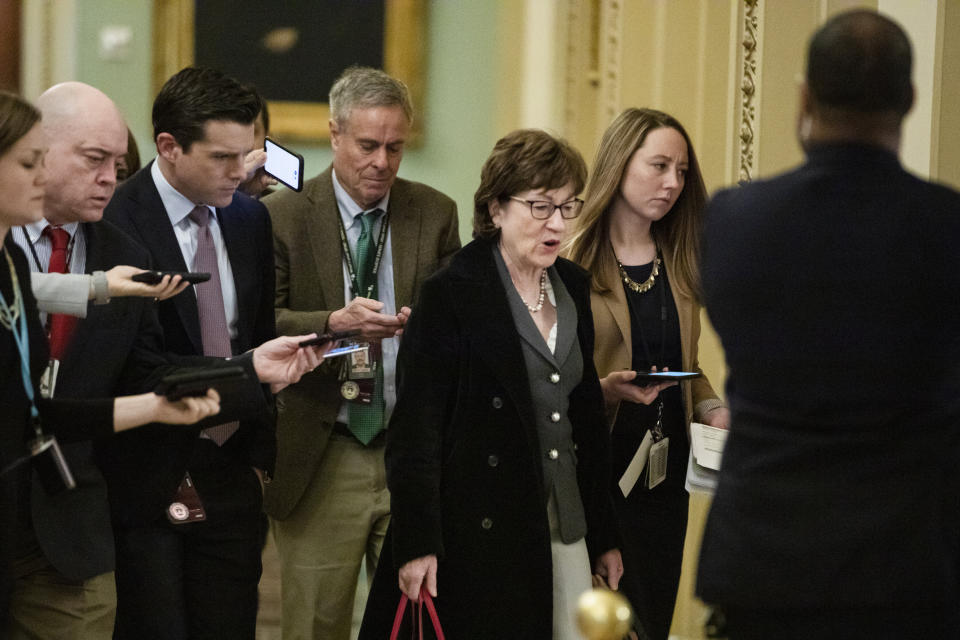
(48,381)
(637,464)
(186,506)
(657,464)
(362,364)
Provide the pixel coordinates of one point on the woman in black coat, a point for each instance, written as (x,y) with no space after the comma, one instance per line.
(497,450)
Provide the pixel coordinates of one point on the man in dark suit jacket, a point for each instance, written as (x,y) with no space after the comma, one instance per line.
(834,289)
(199,578)
(329,496)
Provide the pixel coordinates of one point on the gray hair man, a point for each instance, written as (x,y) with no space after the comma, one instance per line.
(352,250)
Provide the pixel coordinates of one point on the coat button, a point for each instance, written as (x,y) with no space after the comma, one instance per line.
(497,402)
(553,454)
(554,377)
(486,523)
(493,460)
(555,416)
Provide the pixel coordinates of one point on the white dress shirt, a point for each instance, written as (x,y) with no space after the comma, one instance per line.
(178,208)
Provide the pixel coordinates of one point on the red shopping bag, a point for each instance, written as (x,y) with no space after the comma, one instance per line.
(416,611)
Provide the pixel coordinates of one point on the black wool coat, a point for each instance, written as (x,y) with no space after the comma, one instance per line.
(464,462)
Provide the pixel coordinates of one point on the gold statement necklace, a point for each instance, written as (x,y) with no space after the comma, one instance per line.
(639,287)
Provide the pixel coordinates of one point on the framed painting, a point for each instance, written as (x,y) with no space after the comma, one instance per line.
(293,51)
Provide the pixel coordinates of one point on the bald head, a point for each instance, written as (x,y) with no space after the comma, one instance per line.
(87,137)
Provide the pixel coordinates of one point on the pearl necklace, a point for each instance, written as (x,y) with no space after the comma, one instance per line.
(639,287)
(543,293)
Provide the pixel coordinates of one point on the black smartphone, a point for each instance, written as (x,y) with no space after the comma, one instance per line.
(154,277)
(283,164)
(195,382)
(324,338)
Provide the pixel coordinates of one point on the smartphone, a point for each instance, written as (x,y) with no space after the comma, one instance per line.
(645,378)
(154,277)
(330,336)
(196,382)
(342,351)
(283,164)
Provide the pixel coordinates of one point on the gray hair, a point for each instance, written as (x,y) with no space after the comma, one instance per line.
(365,88)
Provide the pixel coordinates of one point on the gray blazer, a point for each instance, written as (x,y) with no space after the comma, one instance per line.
(552,377)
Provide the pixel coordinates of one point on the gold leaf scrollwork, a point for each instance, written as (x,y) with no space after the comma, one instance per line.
(748,88)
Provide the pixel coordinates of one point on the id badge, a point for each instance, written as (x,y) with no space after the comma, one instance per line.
(48,381)
(657,464)
(359,391)
(637,464)
(362,365)
(186,505)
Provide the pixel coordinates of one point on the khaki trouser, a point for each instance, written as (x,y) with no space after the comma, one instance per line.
(48,606)
(341,519)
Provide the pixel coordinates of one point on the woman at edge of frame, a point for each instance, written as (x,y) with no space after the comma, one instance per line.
(639,235)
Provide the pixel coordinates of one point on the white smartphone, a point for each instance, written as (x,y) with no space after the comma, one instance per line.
(283,164)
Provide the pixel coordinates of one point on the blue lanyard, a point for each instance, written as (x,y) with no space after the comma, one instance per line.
(18,327)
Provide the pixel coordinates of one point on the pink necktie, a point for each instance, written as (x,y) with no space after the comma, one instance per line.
(213,317)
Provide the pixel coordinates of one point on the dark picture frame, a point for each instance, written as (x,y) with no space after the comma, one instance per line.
(292,51)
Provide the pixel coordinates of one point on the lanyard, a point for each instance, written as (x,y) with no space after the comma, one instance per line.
(351,267)
(15,319)
(36,258)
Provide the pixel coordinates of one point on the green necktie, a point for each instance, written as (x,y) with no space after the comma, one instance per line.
(366,420)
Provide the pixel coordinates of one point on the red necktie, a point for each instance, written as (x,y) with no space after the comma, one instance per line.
(61,325)
(214,332)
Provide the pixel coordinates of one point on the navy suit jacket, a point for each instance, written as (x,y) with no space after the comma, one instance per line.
(116,349)
(136,207)
(836,293)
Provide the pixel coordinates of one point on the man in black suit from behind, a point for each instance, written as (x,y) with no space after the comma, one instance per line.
(836,293)
(199,579)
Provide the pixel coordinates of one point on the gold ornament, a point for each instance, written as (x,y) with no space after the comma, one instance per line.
(603,615)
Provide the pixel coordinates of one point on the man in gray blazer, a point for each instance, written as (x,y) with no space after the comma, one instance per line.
(351,251)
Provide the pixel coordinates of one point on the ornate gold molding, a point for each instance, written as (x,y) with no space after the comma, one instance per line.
(749,88)
(612,28)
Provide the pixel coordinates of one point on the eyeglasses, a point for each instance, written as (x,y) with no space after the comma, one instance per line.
(541,209)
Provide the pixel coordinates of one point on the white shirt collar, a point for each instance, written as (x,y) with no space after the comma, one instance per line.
(177,205)
(35,229)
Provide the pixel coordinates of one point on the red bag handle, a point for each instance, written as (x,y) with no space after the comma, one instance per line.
(425,599)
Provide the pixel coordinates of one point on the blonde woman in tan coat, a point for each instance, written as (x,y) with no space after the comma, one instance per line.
(639,236)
